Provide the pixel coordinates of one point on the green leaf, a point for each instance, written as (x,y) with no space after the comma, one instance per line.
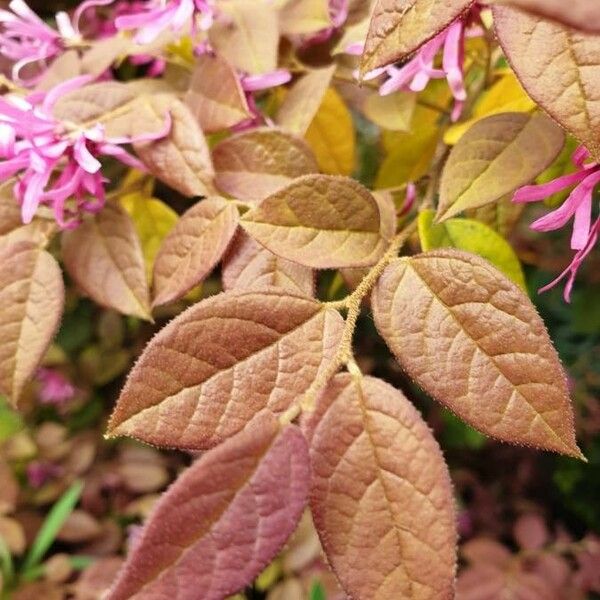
(317,591)
(471,236)
(10,420)
(52,525)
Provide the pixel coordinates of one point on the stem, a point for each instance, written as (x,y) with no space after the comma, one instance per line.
(352,303)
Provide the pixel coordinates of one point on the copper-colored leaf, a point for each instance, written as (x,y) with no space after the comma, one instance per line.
(113,104)
(104,257)
(223,520)
(473,340)
(558,67)
(250,266)
(193,248)
(399,27)
(320,221)
(182,159)
(580,14)
(32,298)
(215,96)
(247,35)
(303,100)
(253,164)
(208,372)
(12,230)
(381,495)
(495,157)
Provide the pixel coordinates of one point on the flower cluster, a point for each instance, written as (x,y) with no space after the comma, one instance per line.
(28,41)
(53,161)
(578,206)
(160,15)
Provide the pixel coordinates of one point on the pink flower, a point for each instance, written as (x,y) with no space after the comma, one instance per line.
(415,74)
(55,162)
(256,83)
(577,206)
(55,388)
(39,473)
(160,15)
(28,40)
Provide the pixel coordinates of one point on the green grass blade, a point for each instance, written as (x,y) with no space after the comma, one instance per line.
(54,521)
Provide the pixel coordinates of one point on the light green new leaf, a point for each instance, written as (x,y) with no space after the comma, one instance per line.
(471,236)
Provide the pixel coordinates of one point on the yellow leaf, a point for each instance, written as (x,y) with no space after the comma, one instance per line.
(153,219)
(506,95)
(409,154)
(474,237)
(331,136)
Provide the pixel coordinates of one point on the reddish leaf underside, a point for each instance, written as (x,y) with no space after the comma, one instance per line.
(473,340)
(223,520)
(381,494)
(215,366)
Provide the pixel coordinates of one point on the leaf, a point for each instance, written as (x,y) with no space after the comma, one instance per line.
(153,220)
(303,100)
(298,17)
(66,66)
(473,340)
(253,164)
(215,366)
(579,14)
(559,68)
(471,236)
(409,154)
(193,248)
(32,299)
(182,159)
(381,495)
(320,221)
(399,27)
(505,95)
(54,521)
(215,96)
(250,266)
(12,230)
(331,136)
(104,257)
(393,112)
(223,520)
(247,35)
(495,157)
(104,52)
(114,105)
(502,216)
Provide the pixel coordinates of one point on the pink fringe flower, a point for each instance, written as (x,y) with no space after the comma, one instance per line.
(160,15)
(577,206)
(258,83)
(55,162)
(27,40)
(55,388)
(415,74)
